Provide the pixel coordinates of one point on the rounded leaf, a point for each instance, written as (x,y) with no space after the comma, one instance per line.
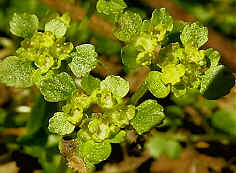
(57,27)
(156,86)
(162,19)
(95,152)
(149,114)
(120,137)
(84,59)
(224,121)
(172,74)
(129,25)
(158,146)
(57,87)
(194,35)
(115,84)
(90,83)
(173,149)
(213,57)
(217,82)
(111,7)
(16,72)
(60,125)
(24,25)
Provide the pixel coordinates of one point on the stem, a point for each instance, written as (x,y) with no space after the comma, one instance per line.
(138,94)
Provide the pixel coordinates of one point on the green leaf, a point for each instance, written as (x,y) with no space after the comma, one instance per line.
(129,25)
(95,152)
(149,114)
(173,149)
(120,137)
(192,76)
(162,20)
(179,89)
(99,129)
(84,59)
(90,83)
(156,85)
(145,45)
(146,26)
(83,135)
(110,7)
(57,87)
(192,54)
(89,167)
(105,99)
(172,74)
(178,26)
(121,117)
(24,25)
(57,27)
(66,19)
(217,82)
(194,35)
(213,57)
(158,146)
(60,125)
(128,55)
(225,121)
(168,55)
(115,84)
(187,99)
(16,72)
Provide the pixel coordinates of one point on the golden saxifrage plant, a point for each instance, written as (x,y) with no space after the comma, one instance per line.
(171,49)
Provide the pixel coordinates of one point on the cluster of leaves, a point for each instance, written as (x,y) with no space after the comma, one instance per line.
(172,51)
(38,59)
(95,110)
(39,62)
(8,8)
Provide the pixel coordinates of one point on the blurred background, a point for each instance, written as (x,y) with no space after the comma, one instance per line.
(203,131)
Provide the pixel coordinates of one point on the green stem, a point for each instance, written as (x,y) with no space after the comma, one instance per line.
(138,94)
